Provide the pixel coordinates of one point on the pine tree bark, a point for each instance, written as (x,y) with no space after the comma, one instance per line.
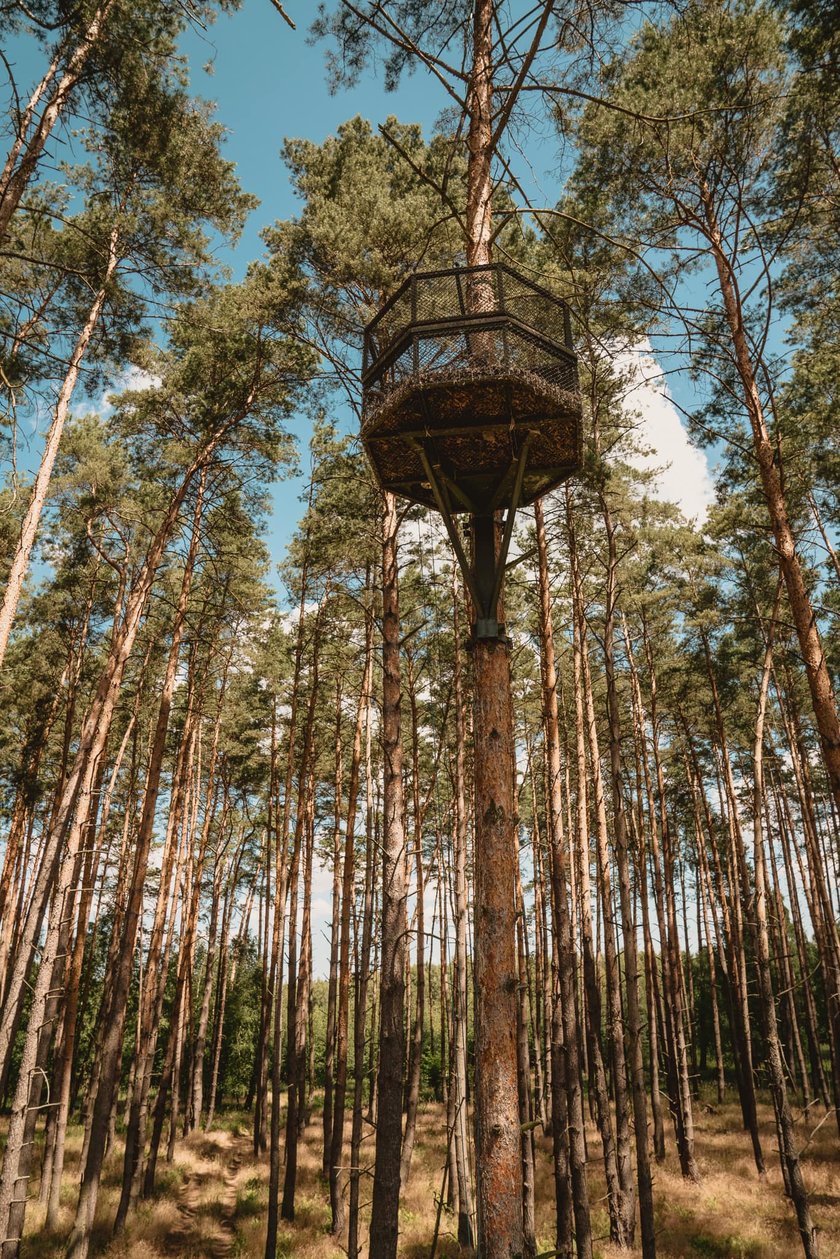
(500,1224)
(574,1118)
(498,1163)
(466,1201)
(788,1153)
(343,993)
(121,977)
(38,494)
(632,1024)
(617,1169)
(384,1222)
(26,151)
(768,458)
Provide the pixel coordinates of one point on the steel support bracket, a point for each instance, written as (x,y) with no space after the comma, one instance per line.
(484,576)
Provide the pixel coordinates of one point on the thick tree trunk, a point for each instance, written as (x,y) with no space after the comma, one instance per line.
(466,1201)
(500,1224)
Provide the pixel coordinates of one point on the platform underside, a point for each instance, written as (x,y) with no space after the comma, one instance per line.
(471,425)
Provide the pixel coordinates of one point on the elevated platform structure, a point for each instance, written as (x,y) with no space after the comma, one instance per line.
(471,395)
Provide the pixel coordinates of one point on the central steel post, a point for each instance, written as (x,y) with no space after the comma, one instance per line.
(484,568)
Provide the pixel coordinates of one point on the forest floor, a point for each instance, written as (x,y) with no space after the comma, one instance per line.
(211,1201)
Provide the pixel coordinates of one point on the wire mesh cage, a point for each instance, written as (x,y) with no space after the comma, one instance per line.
(464,370)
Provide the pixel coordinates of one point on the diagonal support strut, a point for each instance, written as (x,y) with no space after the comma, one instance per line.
(484,576)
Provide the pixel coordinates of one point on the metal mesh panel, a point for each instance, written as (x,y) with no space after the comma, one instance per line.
(460,295)
(497,348)
(529,353)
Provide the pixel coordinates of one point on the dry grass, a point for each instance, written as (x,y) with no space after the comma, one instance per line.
(211,1201)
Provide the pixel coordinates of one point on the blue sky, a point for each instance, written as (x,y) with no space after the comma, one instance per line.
(270,83)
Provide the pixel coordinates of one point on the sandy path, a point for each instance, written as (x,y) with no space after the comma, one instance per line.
(206,1227)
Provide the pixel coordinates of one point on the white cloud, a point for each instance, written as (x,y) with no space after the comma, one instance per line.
(683,477)
(131,378)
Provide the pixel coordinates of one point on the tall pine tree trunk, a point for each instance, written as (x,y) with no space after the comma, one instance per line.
(26,151)
(768,458)
(788,1153)
(617,1170)
(384,1221)
(38,494)
(343,995)
(573,1120)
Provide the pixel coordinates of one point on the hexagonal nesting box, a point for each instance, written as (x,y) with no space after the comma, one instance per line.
(471,371)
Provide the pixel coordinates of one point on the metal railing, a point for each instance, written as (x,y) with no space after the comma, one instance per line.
(486,319)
